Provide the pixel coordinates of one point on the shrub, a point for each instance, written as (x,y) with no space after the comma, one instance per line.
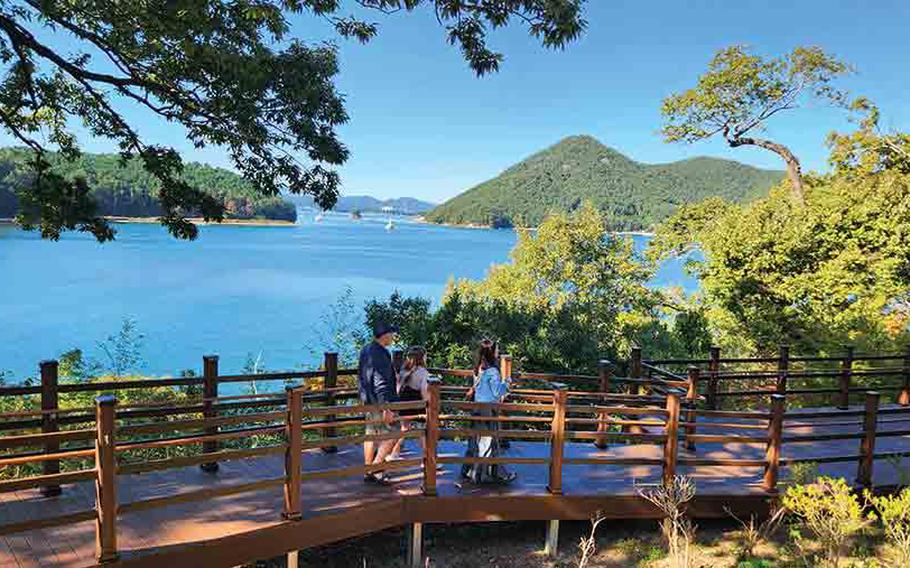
(830,511)
(676,527)
(894,513)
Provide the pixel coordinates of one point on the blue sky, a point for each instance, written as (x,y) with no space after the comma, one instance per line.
(423,125)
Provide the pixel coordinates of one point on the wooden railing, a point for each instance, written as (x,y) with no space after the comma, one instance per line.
(833,379)
(656,407)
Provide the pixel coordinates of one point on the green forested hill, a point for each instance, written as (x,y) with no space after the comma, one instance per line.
(580,168)
(128,190)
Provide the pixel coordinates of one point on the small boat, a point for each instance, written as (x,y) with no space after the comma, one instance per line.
(390,226)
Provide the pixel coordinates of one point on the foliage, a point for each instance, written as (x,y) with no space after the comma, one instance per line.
(740,91)
(123,350)
(671,500)
(893,511)
(227,73)
(587,546)
(830,511)
(754,531)
(340,330)
(573,293)
(802,473)
(580,169)
(835,271)
(125,188)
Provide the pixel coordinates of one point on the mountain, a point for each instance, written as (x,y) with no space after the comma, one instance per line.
(127,190)
(580,168)
(368,204)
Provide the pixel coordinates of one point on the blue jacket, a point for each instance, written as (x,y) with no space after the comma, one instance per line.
(489,386)
(375,375)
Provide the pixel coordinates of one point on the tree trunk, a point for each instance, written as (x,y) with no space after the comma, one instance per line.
(794,171)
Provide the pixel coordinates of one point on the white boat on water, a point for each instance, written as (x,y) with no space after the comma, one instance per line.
(390,226)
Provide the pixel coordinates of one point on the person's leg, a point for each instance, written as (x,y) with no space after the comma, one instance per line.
(396,448)
(369,452)
(383,450)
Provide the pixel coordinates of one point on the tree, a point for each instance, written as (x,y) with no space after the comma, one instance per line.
(832,272)
(741,91)
(227,72)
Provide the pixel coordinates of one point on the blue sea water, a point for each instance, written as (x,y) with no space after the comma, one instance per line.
(236,291)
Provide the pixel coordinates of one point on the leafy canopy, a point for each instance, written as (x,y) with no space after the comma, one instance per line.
(228,72)
(572,293)
(740,91)
(835,271)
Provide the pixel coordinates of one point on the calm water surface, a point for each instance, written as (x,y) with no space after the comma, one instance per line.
(236,291)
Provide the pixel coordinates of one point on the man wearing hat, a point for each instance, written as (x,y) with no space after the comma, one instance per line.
(377,384)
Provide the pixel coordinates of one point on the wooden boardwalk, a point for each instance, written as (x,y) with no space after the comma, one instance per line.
(231,529)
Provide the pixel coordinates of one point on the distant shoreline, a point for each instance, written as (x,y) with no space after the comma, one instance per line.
(195,220)
(422,219)
(200,221)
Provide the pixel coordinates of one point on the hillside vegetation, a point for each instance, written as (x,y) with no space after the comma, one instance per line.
(579,168)
(128,190)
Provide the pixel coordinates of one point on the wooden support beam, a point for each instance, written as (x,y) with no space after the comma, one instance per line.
(551,543)
(671,445)
(293,559)
(867,445)
(293,454)
(846,375)
(775,439)
(783,368)
(605,375)
(106,480)
(691,399)
(330,381)
(415,545)
(558,438)
(432,436)
(209,391)
(49,379)
(713,370)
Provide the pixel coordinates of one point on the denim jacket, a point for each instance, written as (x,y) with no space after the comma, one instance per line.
(489,386)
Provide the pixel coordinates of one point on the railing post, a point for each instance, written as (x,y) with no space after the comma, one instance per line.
(783,368)
(330,366)
(775,440)
(904,397)
(432,436)
(49,378)
(106,480)
(635,370)
(605,374)
(558,438)
(867,446)
(846,374)
(293,454)
(505,367)
(671,445)
(691,399)
(209,391)
(713,371)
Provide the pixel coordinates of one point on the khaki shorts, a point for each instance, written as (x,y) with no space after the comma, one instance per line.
(380,427)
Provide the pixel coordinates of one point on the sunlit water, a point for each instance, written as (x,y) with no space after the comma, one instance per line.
(236,291)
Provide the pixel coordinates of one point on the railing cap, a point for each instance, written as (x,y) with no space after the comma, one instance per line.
(47,362)
(210,357)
